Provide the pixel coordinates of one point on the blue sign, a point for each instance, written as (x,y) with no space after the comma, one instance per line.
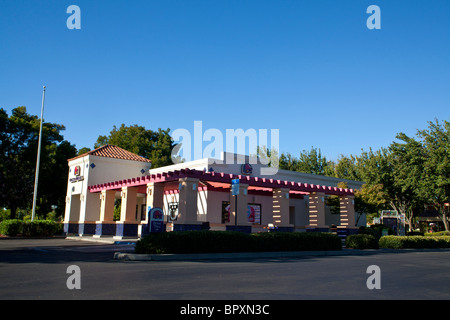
(235,187)
(156,220)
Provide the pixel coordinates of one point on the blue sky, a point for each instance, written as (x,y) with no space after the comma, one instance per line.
(311,69)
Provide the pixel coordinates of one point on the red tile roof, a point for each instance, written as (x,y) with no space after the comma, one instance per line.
(111,151)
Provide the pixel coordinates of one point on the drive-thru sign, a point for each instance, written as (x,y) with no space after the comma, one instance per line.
(156,220)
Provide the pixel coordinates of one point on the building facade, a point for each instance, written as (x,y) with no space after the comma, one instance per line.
(199,194)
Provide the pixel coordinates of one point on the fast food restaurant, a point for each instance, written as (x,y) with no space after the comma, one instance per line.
(230,193)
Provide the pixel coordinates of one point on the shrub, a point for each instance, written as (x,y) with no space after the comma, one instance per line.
(361,241)
(231,241)
(296,241)
(11,227)
(437,234)
(414,242)
(41,228)
(37,228)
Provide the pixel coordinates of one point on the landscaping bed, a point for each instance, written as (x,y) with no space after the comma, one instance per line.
(229,241)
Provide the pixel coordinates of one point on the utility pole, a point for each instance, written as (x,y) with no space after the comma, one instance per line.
(38,159)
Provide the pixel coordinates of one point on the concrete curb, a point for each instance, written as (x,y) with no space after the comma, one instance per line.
(234,255)
(261,255)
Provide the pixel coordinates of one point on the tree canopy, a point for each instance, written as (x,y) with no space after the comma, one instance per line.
(410,172)
(153,145)
(18,152)
(406,175)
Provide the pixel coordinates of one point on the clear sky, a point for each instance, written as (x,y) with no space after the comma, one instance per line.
(311,69)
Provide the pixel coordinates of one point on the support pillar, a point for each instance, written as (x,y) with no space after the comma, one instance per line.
(72,214)
(107,198)
(127,227)
(155,196)
(347,206)
(128,207)
(106,225)
(280,209)
(317,210)
(187,206)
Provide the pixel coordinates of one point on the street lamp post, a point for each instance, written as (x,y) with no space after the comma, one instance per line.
(38,159)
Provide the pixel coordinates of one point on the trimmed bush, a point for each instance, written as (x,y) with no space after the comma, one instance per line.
(414,242)
(11,227)
(437,234)
(229,241)
(41,228)
(296,241)
(361,241)
(37,228)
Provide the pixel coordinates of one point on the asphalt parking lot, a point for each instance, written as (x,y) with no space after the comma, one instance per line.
(38,269)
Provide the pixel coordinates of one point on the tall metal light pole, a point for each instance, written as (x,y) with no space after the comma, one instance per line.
(38,159)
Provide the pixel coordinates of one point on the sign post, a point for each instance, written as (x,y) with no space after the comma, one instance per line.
(235,193)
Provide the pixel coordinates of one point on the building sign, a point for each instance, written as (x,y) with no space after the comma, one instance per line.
(389,213)
(156,220)
(77,174)
(246,169)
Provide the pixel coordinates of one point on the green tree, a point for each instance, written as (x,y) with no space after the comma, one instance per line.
(19,142)
(288,162)
(153,145)
(346,168)
(83,151)
(436,173)
(370,199)
(407,159)
(308,162)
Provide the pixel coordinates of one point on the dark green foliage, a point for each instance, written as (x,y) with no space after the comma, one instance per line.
(19,135)
(11,227)
(437,234)
(36,228)
(414,242)
(220,242)
(41,228)
(361,241)
(153,145)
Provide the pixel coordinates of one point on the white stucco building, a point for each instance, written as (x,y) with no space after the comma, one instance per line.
(198,193)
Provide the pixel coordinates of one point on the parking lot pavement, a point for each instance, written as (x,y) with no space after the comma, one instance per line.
(38,269)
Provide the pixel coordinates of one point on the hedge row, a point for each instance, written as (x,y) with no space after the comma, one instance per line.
(229,241)
(36,228)
(437,234)
(414,242)
(361,241)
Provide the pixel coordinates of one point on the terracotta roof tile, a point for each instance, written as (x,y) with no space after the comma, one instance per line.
(111,151)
